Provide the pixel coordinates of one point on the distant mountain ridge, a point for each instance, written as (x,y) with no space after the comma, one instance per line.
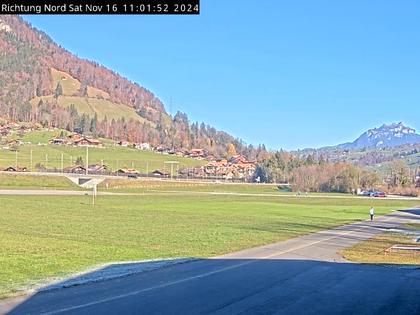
(385,136)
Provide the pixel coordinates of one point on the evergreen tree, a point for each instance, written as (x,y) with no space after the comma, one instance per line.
(58,90)
(94,124)
(79,161)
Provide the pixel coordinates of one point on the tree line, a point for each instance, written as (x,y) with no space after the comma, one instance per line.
(316,174)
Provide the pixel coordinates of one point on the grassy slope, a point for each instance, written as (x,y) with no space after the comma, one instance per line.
(51,236)
(114,157)
(69,84)
(36,137)
(89,106)
(96,102)
(17,181)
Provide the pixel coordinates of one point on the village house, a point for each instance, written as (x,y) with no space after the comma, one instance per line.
(192,172)
(162,150)
(217,168)
(58,141)
(15,169)
(159,173)
(236,167)
(143,146)
(85,141)
(5,130)
(180,152)
(75,169)
(97,169)
(124,144)
(128,171)
(197,153)
(14,143)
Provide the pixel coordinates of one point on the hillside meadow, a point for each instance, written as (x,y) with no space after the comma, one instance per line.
(115,157)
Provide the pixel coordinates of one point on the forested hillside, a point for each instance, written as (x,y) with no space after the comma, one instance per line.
(42,82)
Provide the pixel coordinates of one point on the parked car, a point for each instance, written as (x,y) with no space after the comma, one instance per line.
(379,194)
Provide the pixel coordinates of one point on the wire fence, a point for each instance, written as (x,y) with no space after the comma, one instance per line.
(38,161)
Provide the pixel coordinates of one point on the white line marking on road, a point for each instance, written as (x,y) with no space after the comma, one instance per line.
(203,275)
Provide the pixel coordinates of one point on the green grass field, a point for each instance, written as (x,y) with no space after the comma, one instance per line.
(152,184)
(19,181)
(42,237)
(113,156)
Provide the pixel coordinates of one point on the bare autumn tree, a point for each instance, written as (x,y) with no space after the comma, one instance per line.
(231,150)
(399,174)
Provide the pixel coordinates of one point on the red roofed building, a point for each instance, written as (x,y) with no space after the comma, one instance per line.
(85,141)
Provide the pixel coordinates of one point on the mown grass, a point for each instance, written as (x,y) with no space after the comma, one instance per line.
(40,137)
(43,237)
(154,184)
(19,181)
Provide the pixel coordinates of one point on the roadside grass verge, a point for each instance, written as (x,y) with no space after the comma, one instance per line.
(375,250)
(50,236)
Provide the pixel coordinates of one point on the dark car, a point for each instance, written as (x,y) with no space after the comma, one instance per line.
(379,194)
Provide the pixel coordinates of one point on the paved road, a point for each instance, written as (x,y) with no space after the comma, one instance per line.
(299,276)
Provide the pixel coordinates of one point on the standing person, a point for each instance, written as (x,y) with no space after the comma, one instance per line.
(372,213)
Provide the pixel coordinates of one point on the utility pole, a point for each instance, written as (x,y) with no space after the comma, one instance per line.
(16,159)
(147,169)
(87,160)
(172,166)
(94,193)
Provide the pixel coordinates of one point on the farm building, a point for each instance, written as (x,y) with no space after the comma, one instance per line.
(76,169)
(159,173)
(15,169)
(127,171)
(81,140)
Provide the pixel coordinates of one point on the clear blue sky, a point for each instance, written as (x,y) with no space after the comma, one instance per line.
(290,74)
